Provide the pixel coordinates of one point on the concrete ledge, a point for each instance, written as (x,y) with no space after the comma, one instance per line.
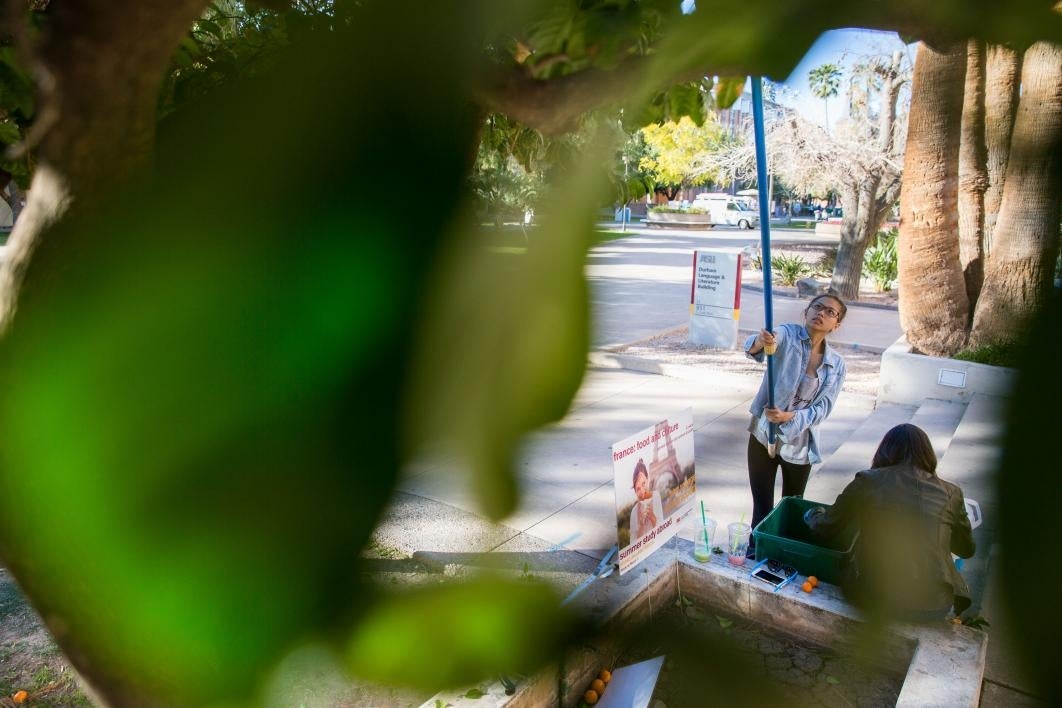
(944,662)
(908,378)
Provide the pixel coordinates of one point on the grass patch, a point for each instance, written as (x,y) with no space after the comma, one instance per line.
(992,354)
(44,676)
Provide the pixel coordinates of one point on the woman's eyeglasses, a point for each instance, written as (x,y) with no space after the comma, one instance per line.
(826,310)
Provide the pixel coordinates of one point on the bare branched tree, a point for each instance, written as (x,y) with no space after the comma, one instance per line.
(862,160)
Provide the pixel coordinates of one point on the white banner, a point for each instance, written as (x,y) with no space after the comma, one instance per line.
(655,486)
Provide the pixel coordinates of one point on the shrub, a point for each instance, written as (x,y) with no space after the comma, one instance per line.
(789,269)
(825,265)
(879,262)
(1005,354)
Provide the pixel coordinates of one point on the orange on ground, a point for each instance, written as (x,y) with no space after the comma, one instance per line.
(813,580)
(20,697)
(598,685)
(590,696)
(605,675)
(807,587)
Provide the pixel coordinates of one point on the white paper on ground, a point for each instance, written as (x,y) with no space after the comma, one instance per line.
(632,686)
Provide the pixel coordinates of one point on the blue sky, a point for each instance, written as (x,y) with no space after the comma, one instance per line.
(844,48)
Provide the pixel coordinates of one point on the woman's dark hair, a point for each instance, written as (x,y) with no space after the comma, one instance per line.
(906,443)
(844,307)
(639,468)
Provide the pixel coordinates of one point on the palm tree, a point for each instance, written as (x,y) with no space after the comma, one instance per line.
(934,307)
(825,82)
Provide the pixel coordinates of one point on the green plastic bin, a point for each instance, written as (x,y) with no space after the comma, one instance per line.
(783,536)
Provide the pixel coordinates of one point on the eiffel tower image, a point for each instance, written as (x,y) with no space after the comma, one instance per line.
(664,470)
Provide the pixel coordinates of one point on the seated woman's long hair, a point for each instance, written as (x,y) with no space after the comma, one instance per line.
(906,443)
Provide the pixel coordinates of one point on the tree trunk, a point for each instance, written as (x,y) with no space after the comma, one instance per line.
(1021,270)
(856,232)
(848,267)
(15,196)
(101,65)
(973,172)
(1002,70)
(866,200)
(933,305)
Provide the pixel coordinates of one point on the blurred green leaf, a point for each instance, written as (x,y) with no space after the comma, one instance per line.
(210,27)
(16,90)
(728,90)
(686,100)
(515,358)
(833,680)
(474,693)
(250,363)
(449,635)
(9,133)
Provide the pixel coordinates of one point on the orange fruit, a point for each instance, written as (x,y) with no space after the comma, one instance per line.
(20,697)
(807,587)
(590,696)
(605,675)
(598,685)
(813,580)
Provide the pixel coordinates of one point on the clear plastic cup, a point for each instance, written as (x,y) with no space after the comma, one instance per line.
(738,542)
(703,536)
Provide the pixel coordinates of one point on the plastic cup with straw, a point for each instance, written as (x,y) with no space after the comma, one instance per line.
(703,554)
(739,541)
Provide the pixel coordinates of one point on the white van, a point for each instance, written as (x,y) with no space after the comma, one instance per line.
(726,209)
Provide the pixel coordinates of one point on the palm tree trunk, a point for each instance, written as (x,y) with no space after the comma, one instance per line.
(1002,71)
(933,304)
(973,172)
(1020,273)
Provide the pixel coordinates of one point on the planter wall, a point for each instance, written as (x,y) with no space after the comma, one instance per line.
(908,378)
(702,221)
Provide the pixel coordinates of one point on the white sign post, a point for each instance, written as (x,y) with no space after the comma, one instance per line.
(715,298)
(655,486)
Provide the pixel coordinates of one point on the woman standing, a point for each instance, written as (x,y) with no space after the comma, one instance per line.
(808,376)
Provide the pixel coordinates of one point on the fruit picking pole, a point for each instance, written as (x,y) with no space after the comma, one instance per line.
(765,241)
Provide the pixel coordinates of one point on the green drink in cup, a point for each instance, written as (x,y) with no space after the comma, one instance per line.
(703,535)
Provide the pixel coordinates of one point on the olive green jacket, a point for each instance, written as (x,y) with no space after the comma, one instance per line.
(910,522)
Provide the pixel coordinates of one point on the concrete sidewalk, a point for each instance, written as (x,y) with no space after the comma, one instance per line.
(568,500)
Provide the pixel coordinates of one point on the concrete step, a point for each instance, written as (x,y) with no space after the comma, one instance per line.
(939,419)
(856,452)
(971,462)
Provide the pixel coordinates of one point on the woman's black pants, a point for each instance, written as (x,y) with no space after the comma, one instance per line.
(763,471)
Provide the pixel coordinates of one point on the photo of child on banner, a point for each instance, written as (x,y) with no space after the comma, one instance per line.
(655,486)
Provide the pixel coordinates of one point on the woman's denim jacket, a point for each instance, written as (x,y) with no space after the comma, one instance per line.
(790,361)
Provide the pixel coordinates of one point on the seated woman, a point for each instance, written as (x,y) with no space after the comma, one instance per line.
(910,522)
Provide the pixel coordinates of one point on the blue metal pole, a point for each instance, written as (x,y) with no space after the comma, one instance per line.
(765,237)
